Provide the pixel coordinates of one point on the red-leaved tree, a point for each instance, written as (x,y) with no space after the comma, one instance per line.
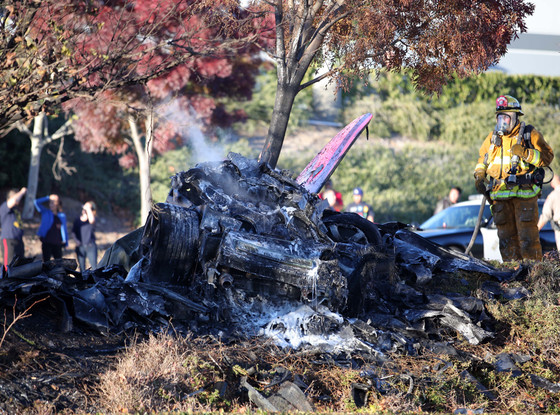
(139,120)
(53,51)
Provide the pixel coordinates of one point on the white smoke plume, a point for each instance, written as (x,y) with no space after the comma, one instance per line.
(189,126)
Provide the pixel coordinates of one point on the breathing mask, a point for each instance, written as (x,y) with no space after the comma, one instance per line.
(504,123)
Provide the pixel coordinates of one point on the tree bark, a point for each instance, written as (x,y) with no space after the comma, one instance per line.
(285,96)
(143,152)
(37,138)
(293,60)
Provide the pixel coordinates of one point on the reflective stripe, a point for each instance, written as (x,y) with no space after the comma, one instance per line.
(503,192)
(480,166)
(536,157)
(506,160)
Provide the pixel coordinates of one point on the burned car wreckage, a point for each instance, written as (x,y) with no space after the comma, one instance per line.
(236,241)
(235,238)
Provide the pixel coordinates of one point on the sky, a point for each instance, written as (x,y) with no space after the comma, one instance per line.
(545,18)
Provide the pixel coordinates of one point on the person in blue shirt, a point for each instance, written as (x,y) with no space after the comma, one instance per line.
(52,230)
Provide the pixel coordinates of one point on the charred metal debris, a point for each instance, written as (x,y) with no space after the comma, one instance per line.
(238,246)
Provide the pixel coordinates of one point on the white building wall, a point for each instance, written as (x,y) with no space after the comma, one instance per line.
(537,51)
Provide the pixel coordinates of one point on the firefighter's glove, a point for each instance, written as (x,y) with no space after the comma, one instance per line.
(480,185)
(524,153)
(480,182)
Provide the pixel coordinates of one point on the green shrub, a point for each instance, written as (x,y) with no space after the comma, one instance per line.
(405,183)
(546,119)
(467,124)
(401,110)
(407,117)
(259,108)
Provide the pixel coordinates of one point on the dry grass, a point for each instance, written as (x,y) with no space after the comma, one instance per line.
(172,373)
(8,324)
(154,375)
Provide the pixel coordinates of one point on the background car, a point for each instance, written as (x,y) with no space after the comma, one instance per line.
(453,228)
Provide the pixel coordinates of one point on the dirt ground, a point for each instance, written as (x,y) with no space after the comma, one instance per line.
(44,369)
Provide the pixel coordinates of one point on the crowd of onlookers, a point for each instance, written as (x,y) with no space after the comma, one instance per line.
(52,232)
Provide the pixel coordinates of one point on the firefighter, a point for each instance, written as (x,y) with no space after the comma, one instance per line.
(513,156)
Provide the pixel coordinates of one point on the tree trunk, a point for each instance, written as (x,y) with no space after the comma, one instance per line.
(285,96)
(143,152)
(292,60)
(37,139)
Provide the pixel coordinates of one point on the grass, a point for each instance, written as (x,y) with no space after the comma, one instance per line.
(171,373)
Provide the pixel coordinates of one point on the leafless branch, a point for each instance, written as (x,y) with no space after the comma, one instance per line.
(16,317)
(60,164)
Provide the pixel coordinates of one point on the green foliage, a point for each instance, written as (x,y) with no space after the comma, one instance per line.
(463,112)
(259,108)
(404,183)
(164,167)
(242,147)
(488,86)
(466,124)
(405,116)
(546,118)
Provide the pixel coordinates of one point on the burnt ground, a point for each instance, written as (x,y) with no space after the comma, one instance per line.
(42,367)
(48,365)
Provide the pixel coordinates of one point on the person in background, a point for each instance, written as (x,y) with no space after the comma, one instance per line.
(12,229)
(52,230)
(332,196)
(83,232)
(551,210)
(358,206)
(449,200)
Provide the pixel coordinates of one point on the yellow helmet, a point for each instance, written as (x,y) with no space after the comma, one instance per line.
(505,103)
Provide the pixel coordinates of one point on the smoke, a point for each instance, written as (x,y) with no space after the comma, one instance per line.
(189,126)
